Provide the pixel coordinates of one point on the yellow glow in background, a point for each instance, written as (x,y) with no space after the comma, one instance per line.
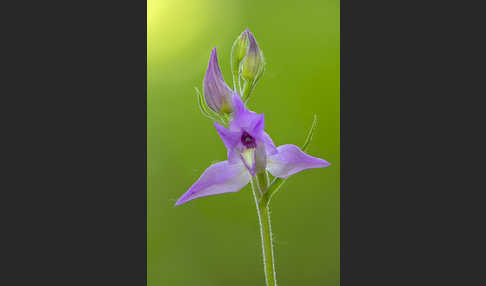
(173,26)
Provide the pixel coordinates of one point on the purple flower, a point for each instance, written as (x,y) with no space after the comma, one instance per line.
(250,151)
(216,91)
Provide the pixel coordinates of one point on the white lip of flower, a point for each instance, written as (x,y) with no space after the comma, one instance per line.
(248,157)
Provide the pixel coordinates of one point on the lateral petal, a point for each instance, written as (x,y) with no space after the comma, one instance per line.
(221,177)
(290,160)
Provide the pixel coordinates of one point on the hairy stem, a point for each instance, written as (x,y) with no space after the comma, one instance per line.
(263,193)
(265,232)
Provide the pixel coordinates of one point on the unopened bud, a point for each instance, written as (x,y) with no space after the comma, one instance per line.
(238,52)
(216,91)
(253,64)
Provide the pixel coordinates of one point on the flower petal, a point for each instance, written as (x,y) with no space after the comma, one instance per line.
(290,160)
(269,145)
(238,104)
(219,178)
(260,159)
(244,119)
(231,139)
(257,126)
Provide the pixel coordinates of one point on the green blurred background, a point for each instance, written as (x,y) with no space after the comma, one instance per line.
(215,240)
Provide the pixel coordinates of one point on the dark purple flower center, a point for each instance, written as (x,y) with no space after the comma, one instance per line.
(247,140)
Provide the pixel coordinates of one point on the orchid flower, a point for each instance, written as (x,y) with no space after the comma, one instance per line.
(250,151)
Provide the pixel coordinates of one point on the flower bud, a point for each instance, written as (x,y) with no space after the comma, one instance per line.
(238,52)
(216,91)
(253,64)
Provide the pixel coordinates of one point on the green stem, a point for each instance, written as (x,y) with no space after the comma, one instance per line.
(265,232)
(263,193)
